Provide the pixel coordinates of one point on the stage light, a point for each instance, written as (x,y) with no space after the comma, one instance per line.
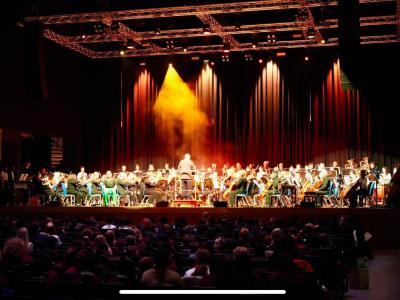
(142,64)
(212,63)
(225,57)
(130,45)
(206,61)
(206,29)
(226,48)
(184,49)
(311,33)
(83,36)
(254,45)
(280,54)
(237,27)
(122,52)
(260,61)
(170,44)
(323,41)
(158,31)
(271,38)
(248,57)
(306,58)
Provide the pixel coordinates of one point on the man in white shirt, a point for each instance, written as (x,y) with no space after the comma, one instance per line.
(185,168)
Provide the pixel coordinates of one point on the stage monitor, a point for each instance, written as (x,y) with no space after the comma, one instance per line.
(220,204)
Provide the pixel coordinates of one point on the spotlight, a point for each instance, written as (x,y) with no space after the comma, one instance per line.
(122,52)
(225,57)
(260,61)
(83,36)
(254,45)
(142,64)
(184,49)
(206,29)
(306,58)
(248,57)
(130,45)
(170,44)
(281,54)
(323,41)
(206,61)
(226,48)
(311,33)
(170,64)
(271,38)
(212,63)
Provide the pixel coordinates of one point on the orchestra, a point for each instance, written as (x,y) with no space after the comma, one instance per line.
(357,184)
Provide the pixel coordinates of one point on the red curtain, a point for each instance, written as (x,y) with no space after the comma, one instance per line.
(276,122)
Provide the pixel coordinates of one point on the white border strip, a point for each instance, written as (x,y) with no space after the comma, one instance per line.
(202,292)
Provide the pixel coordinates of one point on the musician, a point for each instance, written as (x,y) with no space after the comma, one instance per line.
(265,166)
(385,177)
(361,190)
(110,188)
(82,174)
(326,180)
(27,170)
(149,188)
(214,168)
(393,198)
(260,173)
(72,189)
(137,170)
(241,185)
(123,184)
(395,168)
(280,167)
(82,180)
(185,168)
(238,167)
(373,170)
(95,187)
(25,176)
(274,180)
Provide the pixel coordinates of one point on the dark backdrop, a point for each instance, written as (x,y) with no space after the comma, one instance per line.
(56,92)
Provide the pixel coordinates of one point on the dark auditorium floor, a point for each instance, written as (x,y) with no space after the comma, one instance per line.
(384,278)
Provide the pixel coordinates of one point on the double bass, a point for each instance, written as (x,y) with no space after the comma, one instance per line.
(232,186)
(349,190)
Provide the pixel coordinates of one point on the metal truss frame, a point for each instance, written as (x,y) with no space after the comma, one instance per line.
(147,40)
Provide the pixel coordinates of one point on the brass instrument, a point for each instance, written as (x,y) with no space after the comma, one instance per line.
(364,164)
(349,164)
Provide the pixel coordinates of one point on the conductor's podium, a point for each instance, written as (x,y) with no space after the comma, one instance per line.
(186,203)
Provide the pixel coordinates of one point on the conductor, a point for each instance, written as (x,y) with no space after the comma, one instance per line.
(185,168)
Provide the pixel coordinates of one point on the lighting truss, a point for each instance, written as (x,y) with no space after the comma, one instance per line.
(148,40)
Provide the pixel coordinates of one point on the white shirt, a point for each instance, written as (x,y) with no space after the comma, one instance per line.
(186,166)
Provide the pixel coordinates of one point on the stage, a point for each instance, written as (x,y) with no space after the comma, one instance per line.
(380,222)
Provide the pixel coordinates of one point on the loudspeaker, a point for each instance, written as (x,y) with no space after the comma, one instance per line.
(349,42)
(162,204)
(220,203)
(307,204)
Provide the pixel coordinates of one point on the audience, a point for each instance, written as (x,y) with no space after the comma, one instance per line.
(219,253)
